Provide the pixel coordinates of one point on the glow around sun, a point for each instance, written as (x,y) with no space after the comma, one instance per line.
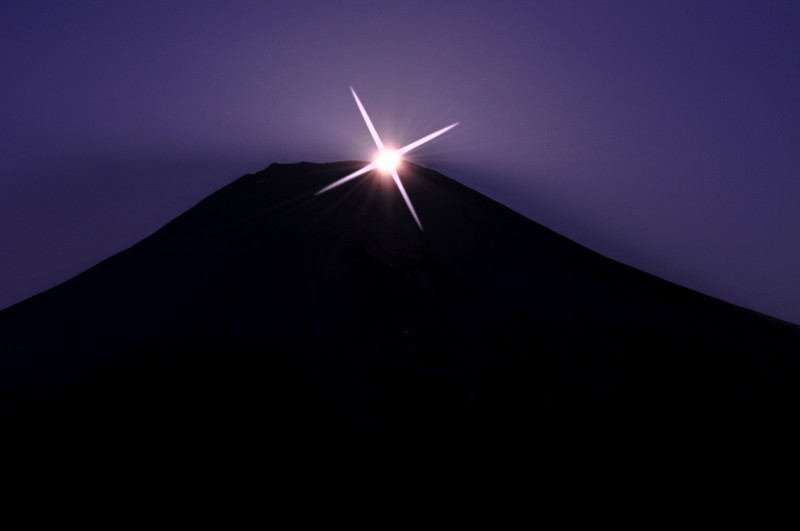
(387,159)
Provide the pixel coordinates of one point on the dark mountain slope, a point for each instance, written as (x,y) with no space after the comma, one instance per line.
(267,317)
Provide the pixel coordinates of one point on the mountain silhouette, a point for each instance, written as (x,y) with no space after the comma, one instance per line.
(271,321)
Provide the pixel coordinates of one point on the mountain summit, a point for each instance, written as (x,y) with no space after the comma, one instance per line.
(266,317)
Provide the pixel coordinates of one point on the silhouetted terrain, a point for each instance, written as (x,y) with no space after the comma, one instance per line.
(270,322)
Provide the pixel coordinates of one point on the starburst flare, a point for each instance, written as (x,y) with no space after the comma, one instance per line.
(387,159)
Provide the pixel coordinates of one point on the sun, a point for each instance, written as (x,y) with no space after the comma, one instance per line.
(387,160)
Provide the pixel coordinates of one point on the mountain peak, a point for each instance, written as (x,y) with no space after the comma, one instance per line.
(334,313)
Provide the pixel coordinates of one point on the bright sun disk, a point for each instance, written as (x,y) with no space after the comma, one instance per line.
(387,160)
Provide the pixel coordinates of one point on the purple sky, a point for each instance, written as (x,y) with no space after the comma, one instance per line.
(665,135)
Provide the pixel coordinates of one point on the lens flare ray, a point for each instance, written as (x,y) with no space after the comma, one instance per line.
(405,197)
(382,156)
(425,139)
(353,175)
(371,127)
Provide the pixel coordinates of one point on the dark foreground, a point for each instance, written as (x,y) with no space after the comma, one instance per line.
(272,329)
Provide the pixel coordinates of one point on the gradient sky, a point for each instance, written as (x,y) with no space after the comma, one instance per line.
(665,135)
